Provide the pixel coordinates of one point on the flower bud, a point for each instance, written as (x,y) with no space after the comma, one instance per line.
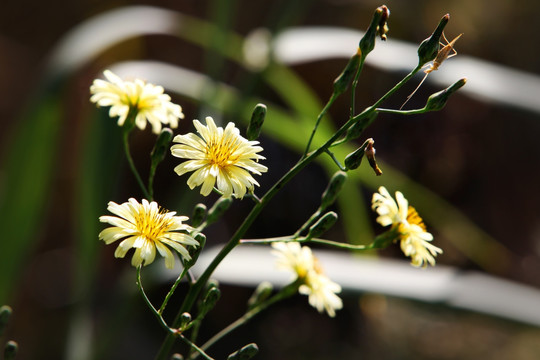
(354,159)
(5,314)
(160,149)
(322,225)
(429,48)
(347,75)
(245,353)
(331,192)
(10,350)
(185,320)
(261,293)
(177,357)
(198,215)
(370,154)
(367,43)
(257,119)
(358,127)
(210,299)
(195,251)
(218,209)
(438,100)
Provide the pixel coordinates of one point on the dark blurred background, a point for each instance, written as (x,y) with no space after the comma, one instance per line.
(480,156)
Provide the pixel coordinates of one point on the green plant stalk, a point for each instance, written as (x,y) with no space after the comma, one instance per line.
(319,118)
(171,291)
(286,292)
(255,211)
(149,303)
(355,84)
(125,139)
(308,223)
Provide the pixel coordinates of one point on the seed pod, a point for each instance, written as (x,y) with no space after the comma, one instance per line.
(354,159)
(367,43)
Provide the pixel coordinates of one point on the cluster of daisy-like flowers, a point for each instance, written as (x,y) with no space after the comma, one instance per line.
(321,291)
(147,102)
(145,227)
(411,230)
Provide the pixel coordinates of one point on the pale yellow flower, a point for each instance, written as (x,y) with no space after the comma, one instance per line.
(321,291)
(219,157)
(145,227)
(147,100)
(413,236)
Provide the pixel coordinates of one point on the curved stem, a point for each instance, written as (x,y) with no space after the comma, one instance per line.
(149,303)
(171,291)
(321,114)
(125,139)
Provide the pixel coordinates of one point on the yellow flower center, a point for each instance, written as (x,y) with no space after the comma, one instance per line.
(412,218)
(221,153)
(153,225)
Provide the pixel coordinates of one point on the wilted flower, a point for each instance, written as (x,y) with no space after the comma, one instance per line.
(219,157)
(413,237)
(146,101)
(145,227)
(300,261)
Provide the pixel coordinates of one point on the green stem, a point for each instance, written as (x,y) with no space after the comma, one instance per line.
(355,84)
(321,114)
(308,223)
(283,294)
(125,138)
(171,291)
(199,350)
(331,154)
(306,159)
(402,112)
(149,303)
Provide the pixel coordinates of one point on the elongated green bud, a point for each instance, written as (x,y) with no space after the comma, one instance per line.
(5,314)
(245,353)
(195,251)
(344,79)
(438,100)
(10,350)
(367,43)
(429,48)
(257,119)
(354,159)
(331,192)
(161,148)
(218,209)
(322,225)
(261,293)
(210,299)
(198,215)
(358,127)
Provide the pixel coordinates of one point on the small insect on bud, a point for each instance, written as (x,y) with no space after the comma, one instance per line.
(245,353)
(331,192)
(354,159)
(322,225)
(198,215)
(370,154)
(218,209)
(429,48)
(261,293)
(438,100)
(382,28)
(257,119)
(344,79)
(367,43)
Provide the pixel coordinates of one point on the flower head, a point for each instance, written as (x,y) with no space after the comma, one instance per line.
(146,101)
(300,261)
(413,236)
(145,227)
(219,157)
